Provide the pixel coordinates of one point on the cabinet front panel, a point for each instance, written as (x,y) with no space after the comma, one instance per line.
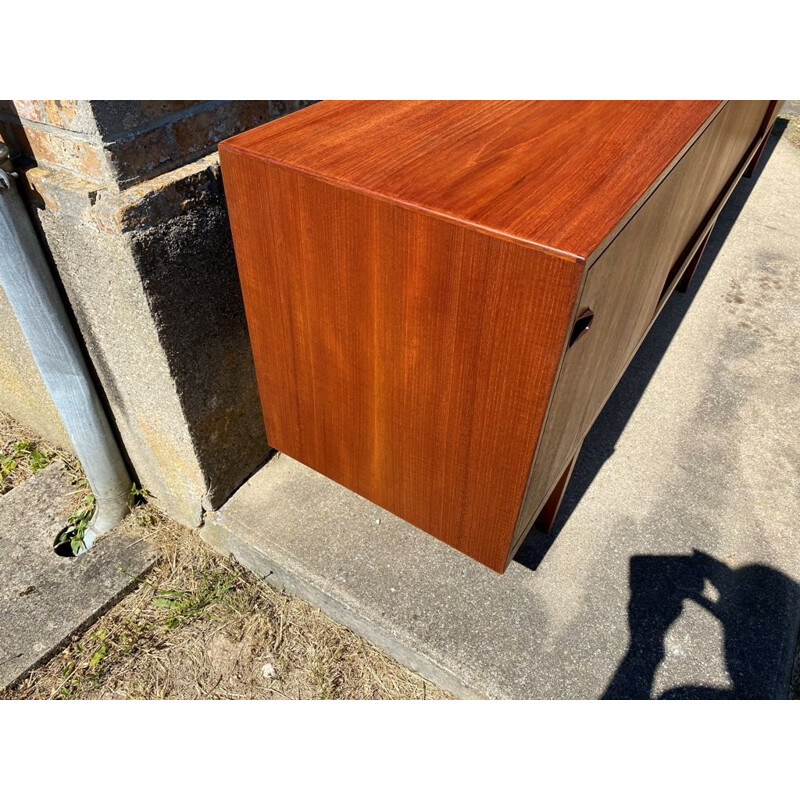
(624,285)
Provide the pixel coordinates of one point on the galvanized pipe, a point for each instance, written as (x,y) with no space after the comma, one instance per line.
(28,283)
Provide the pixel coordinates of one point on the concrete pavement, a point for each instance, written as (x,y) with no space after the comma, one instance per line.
(674,569)
(46,598)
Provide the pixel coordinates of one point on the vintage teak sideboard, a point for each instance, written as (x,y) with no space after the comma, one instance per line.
(441,296)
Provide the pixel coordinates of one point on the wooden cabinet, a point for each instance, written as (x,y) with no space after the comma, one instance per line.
(441,296)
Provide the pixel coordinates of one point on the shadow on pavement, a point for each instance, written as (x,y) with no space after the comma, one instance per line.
(755,604)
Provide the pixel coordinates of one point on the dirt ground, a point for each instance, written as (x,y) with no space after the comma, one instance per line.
(200,626)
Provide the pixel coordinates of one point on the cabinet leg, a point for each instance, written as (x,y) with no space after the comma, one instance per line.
(547,516)
(752,166)
(766,130)
(683,284)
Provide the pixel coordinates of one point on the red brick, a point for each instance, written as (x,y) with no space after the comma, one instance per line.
(61,112)
(58,150)
(200,133)
(115,117)
(142,156)
(30,109)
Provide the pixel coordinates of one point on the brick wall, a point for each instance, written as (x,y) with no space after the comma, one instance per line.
(126,142)
(130,203)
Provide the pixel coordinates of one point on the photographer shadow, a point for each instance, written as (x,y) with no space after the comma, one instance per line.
(756,605)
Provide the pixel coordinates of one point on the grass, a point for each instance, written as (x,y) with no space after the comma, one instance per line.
(21,455)
(200,626)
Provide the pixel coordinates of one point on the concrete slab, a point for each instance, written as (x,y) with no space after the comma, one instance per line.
(45,598)
(674,567)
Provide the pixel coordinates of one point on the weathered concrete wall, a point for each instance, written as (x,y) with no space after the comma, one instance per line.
(22,393)
(130,202)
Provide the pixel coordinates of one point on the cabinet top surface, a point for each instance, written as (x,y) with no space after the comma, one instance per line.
(559,175)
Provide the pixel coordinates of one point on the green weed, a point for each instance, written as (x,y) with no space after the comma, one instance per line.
(214,586)
(73,535)
(24,453)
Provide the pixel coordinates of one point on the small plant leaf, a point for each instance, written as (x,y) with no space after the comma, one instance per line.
(98,655)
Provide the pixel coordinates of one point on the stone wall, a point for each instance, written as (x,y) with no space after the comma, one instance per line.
(131,207)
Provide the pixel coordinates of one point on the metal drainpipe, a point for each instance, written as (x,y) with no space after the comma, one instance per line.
(32,293)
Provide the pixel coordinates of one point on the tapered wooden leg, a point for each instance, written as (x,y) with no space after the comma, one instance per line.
(751,167)
(547,516)
(683,284)
(769,121)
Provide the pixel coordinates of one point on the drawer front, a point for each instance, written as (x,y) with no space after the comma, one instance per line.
(624,285)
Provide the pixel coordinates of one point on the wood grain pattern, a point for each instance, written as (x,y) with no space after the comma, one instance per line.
(624,285)
(560,175)
(411,273)
(389,358)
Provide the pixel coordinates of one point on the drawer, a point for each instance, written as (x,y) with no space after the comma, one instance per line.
(624,284)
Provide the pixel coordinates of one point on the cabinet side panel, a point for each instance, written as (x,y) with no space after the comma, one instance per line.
(624,286)
(389,358)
